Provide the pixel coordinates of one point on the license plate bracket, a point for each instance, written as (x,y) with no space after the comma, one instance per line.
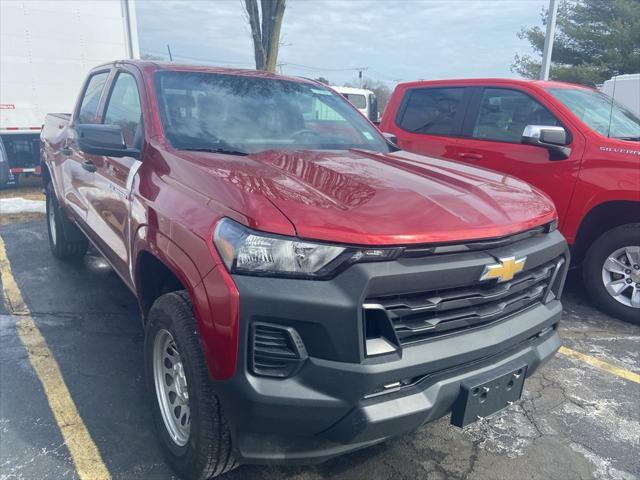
(481,397)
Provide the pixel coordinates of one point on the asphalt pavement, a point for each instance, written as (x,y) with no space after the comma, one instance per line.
(576,420)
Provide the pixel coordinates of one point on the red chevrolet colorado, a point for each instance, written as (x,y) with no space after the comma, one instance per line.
(572,142)
(306,288)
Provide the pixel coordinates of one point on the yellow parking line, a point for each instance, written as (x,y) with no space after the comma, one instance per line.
(84,452)
(620,372)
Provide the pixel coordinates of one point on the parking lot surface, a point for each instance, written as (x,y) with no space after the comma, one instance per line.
(577,420)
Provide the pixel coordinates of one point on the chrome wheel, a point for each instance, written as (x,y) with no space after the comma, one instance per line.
(51,217)
(621,275)
(171,387)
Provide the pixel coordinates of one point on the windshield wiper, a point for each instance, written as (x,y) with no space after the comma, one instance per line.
(226,151)
(633,139)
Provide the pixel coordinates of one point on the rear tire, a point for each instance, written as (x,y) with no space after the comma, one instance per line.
(4,173)
(200,447)
(65,239)
(611,272)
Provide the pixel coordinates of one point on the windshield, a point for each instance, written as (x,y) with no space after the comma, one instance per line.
(245,114)
(599,112)
(359,101)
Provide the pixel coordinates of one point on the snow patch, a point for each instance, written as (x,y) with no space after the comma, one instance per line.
(21,205)
(604,470)
(507,433)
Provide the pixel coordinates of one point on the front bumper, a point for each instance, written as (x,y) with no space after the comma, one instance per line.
(334,404)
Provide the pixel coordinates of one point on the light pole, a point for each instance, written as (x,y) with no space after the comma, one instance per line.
(548,40)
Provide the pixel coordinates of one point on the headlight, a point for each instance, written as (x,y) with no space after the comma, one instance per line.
(256,253)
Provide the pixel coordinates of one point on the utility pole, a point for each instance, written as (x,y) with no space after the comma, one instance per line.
(360,70)
(548,40)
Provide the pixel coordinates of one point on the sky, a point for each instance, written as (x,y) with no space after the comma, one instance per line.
(395,40)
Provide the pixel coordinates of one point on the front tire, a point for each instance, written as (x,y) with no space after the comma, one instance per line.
(194,435)
(611,272)
(65,239)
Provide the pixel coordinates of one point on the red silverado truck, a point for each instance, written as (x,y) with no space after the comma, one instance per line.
(306,288)
(572,142)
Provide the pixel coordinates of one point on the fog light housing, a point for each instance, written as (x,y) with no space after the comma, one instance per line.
(275,350)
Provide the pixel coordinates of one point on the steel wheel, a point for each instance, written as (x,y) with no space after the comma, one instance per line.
(171,388)
(51,217)
(621,275)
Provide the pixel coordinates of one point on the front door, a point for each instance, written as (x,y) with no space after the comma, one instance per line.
(109,202)
(492,134)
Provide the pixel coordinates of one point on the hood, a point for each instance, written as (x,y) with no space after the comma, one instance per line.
(366,198)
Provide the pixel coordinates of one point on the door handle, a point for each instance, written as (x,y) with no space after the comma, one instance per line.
(66,151)
(89,166)
(470,155)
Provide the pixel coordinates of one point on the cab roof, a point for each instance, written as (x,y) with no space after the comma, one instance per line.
(492,81)
(153,65)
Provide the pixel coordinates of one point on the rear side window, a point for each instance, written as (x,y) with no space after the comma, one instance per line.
(124,109)
(359,101)
(504,114)
(432,111)
(89,105)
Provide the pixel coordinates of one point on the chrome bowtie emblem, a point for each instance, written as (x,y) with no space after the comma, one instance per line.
(505,270)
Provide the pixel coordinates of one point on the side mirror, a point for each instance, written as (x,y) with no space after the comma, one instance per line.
(107,140)
(553,139)
(391,137)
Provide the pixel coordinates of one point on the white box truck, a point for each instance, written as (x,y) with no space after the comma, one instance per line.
(46,49)
(361,98)
(624,89)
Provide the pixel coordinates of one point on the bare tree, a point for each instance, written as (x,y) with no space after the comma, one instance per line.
(265,22)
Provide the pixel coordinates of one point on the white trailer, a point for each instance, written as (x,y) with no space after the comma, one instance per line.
(46,49)
(361,98)
(625,89)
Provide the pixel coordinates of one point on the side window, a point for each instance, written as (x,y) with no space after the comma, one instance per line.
(432,110)
(123,109)
(504,113)
(359,101)
(89,105)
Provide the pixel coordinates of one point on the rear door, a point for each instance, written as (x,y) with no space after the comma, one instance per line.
(76,177)
(492,133)
(110,199)
(429,119)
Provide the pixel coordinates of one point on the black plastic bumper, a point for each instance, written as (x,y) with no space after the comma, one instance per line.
(334,404)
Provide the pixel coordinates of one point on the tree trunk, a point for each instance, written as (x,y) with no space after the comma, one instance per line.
(265,32)
(274,38)
(256,34)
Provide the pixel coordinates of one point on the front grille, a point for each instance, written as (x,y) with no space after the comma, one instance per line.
(276,351)
(420,315)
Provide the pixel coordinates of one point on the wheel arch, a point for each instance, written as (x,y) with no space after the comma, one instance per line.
(46,174)
(600,219)
(47,177)
(160,267)
(153,279)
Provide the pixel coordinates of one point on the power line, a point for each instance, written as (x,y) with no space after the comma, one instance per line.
(328,69)
(280,65)
(198,59)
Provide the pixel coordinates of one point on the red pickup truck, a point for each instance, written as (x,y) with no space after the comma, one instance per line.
(306,288)
(572,142)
